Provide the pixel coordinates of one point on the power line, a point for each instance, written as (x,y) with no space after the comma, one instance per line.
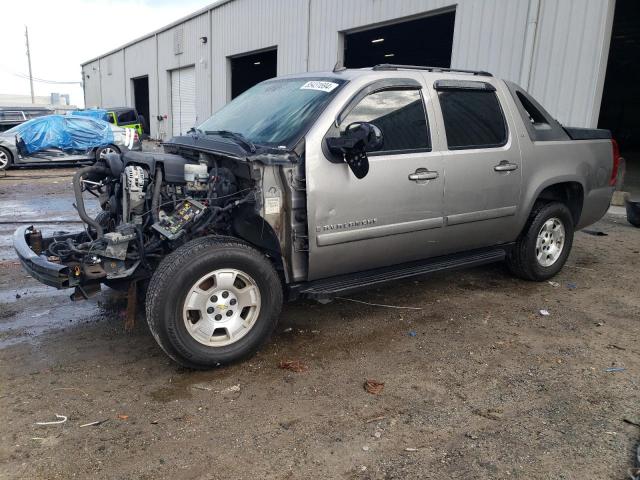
(42,80)
(37,79)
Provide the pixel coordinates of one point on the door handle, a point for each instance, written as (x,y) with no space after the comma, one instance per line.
(422,175)
(505,166)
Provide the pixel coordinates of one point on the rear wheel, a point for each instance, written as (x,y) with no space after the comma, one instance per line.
(213,301)
(5,159)
(543,247)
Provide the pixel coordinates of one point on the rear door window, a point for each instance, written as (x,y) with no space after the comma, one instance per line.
(401,116)
(472,119)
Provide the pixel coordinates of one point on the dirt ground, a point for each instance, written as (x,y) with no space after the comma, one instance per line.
(477,383)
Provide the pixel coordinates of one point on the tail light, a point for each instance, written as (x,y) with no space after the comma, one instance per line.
(616,162)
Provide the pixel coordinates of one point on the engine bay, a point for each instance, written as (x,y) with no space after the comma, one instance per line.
(151,203)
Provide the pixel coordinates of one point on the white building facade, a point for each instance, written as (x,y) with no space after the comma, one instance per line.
(181,74)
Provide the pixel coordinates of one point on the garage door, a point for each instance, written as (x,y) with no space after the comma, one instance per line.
(183,100)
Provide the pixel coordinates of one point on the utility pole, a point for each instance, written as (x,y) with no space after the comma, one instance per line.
(26,34)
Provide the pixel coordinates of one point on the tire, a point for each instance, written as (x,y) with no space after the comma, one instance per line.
(537,255)
(209,263)
(104,150)
(633,212)
(5,159)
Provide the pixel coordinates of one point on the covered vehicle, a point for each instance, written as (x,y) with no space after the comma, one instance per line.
(63,139)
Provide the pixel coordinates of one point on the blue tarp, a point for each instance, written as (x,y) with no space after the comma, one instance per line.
(64,132)
(98,113)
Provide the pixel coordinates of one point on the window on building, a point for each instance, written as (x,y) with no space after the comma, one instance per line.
(472,119)
(401,116)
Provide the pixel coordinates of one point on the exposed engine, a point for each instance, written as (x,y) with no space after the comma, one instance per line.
(151,204)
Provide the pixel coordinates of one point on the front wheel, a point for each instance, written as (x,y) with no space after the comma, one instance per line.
(544,245)
(5,159)
(213,301)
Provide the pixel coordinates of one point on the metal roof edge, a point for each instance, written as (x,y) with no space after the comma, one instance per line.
(197,13)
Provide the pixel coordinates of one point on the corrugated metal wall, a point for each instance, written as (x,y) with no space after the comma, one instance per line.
(91,79)
(194,53)
(569,61)
(140,60)
(245,26)
(329,18)
(112,79)
(555,48)
(489,35)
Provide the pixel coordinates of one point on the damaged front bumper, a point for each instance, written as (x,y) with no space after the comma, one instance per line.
(42,268)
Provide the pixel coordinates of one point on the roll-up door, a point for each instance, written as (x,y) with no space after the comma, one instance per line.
(183,100)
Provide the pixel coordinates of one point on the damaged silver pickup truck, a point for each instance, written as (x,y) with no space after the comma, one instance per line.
(316,184)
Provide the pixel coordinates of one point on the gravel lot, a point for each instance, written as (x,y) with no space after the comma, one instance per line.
(477,384)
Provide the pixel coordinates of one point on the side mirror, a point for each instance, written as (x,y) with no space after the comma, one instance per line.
(354,143)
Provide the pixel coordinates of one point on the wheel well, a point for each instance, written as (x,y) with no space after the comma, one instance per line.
(254,229)
(569,193)
(8,153)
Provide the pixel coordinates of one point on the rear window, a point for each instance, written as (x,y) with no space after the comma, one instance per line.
(11,116)
(128,116)
(472,119)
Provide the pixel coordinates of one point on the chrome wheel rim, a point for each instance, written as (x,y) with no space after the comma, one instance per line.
(221,307)
(550,242)
(105,151)
(4,160)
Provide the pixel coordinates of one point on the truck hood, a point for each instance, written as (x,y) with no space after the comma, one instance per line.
(228,148)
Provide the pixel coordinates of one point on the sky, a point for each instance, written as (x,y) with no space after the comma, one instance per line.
(65,33)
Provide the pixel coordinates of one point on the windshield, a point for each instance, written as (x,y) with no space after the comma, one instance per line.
(276,112)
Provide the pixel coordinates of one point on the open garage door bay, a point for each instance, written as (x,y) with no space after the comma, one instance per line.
(183,100)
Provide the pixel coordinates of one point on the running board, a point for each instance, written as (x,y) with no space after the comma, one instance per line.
(332,286)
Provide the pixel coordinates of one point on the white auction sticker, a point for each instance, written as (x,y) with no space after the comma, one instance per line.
(272,205)
(318,85)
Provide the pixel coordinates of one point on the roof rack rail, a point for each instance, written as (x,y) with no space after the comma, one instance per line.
(394,66)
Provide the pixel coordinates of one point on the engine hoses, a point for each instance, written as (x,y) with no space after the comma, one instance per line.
(77,188)
(155,199)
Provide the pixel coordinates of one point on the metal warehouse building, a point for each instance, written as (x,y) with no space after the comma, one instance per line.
(558,50)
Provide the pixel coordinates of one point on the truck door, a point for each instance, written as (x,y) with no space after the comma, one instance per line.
(482,164)
(388,216)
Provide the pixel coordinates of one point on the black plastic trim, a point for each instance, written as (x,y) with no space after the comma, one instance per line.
(394,66)
(577,133)
(463,85)
(52,274)
(552,130)
(360,280)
